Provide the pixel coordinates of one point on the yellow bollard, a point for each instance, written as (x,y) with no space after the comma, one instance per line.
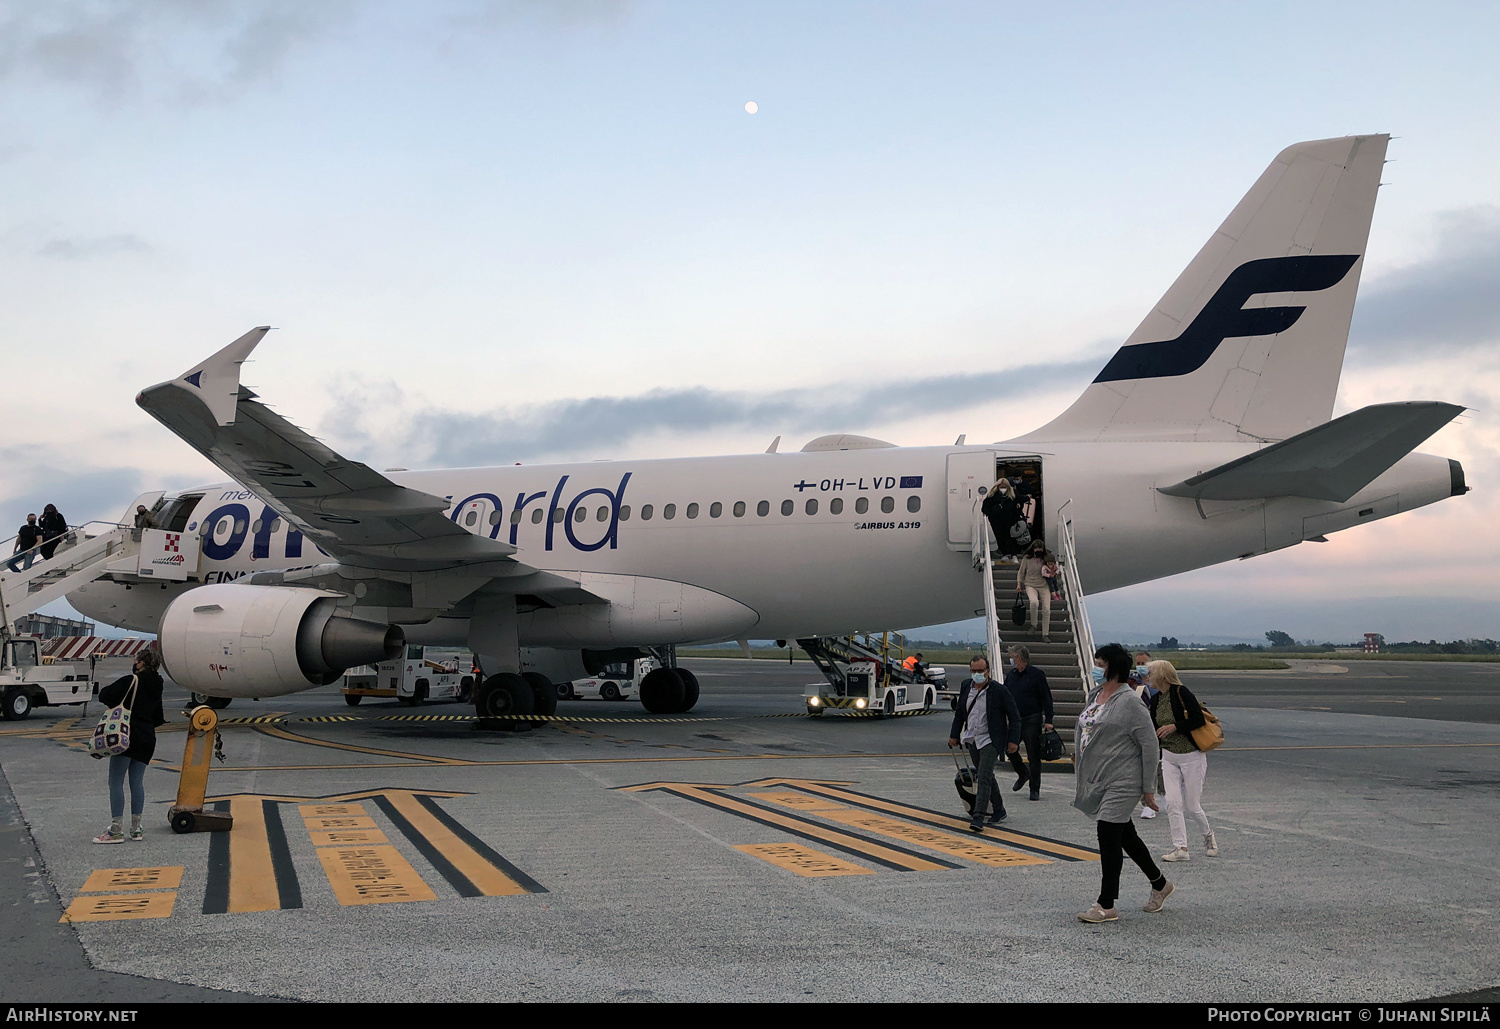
(187,815)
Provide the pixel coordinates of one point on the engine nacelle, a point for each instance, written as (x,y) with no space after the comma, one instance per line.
(227,640)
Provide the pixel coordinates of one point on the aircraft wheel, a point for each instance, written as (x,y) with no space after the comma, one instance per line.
(17,705)
(543,694)
(352,699)
(609,691)
(217,703)
(663,691)
(504,694)
(689,690)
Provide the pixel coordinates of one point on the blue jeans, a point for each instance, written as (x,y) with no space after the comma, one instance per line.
(119,765)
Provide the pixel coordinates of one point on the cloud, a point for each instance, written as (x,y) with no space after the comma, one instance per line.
(574,426)
(1450,300)
(80,248)
(190,51)
(493,14)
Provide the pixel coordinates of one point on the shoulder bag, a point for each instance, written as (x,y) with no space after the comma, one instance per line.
(112,734)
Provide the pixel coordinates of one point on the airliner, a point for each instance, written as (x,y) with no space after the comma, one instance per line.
(1207,437)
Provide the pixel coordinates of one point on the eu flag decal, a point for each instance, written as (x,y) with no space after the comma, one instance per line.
(911,482)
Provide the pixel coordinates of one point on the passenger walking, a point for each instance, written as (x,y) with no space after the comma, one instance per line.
(1029,580)
(1177,713)
(1028,685)
(27,537)
(1117,757)
(54,526)
(143,690)
(984,720)
(1006,521)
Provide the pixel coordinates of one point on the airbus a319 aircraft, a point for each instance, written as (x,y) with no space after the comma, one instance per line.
(1206,437)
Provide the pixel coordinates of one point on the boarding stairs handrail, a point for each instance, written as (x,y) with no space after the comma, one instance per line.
(1083,632)
(982,546)
(27,583)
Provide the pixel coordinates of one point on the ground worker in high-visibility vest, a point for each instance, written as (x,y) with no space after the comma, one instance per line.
(913,666)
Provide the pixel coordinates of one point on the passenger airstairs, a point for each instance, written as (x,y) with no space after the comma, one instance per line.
(1067,656)
(834,654)
(85,553)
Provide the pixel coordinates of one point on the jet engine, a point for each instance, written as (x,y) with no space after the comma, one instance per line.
(228,640)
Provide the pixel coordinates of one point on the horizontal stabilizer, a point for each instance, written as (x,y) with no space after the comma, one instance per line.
(1331,462)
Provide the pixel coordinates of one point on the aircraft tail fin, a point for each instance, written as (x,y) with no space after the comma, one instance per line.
(1248,343)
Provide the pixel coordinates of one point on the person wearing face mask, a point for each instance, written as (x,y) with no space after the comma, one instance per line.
(1031,581)
(985,719)
(1116,769)
(1140,681)
(1028,685)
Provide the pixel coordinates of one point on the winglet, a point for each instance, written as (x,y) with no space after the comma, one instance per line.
(217,380)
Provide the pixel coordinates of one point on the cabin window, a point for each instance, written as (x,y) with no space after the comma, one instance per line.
(836,505)
(862,505)
(536,515)
(557,514)
(715,509)
(471,517)
(646,512)
(494,519)
(669,512)
(887,504)
(580,514)
(739,509)
(914,504)
(692,511)
(603,515)
(787,507)
(515,517)
(625,513)
(763,508)
(812,507)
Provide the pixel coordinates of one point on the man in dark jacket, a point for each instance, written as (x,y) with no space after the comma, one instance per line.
(1028,684)
(54,527)
(27,537)
(986,719)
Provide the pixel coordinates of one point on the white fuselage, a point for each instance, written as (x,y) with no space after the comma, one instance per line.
(814,570)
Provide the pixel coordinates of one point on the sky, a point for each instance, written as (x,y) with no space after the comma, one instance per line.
(505,231)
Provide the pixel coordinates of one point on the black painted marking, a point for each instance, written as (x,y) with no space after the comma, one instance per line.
(481,848)
(854,797)
(435,858)
(216,893)
(822,840)
(1225,315)
(288,887)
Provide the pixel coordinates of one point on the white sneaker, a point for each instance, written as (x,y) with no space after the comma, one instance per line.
(1211,845)
(1180,854)
(1147,813)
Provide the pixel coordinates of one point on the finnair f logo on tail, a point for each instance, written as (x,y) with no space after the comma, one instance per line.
(1226,316)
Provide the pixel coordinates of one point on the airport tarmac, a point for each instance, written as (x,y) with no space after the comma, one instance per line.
(747,852)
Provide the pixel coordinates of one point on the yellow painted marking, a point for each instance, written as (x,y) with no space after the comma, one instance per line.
(730,804)
(489,880)
(356,822)
(934,839)
(252,877)
(832,791)
(330,810)
(347,837)
(120,908)
(798,801)
(803,860)
(372,875)
(159,878)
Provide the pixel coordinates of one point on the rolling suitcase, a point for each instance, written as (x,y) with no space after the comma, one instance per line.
(966,781)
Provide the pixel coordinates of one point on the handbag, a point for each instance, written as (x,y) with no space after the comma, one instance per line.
(1210,734)
(1021,533)
(1018,610)
(112,734)
(1052,746)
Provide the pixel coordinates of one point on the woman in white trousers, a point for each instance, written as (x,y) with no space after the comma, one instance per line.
(1176,713)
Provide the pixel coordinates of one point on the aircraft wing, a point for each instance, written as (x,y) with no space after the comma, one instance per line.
(1333,461)
(351,511)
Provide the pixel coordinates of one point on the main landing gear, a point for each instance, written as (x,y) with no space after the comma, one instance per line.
(669,691)
(508,698)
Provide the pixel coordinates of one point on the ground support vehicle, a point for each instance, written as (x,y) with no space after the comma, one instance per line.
(64,670)
(866,684)
(618,681)
(421,673)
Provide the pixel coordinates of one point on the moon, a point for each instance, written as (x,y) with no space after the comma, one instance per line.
(751,107)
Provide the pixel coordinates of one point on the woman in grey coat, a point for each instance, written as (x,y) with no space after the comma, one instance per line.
(1117,757)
